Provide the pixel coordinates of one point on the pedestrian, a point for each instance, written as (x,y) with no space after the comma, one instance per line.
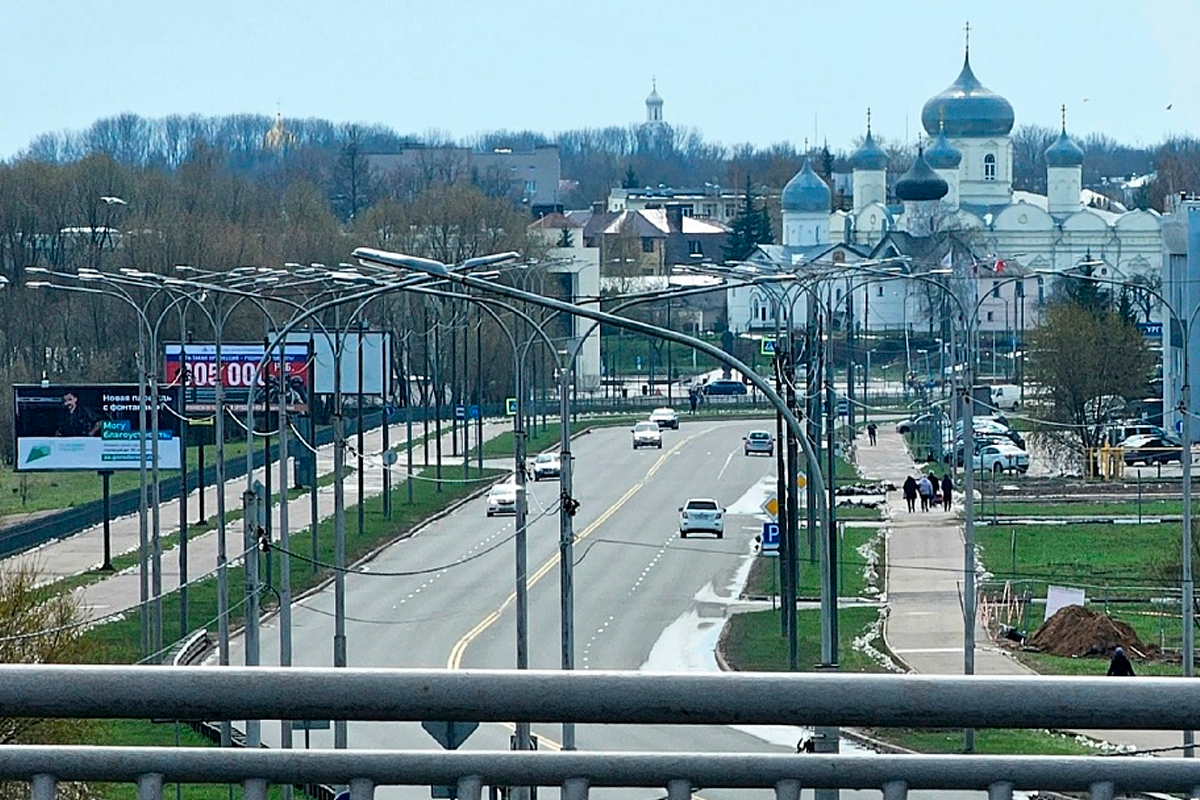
(910,493)
(872,428)
(947,490)
(925,490)
(692,399)
(1120,664)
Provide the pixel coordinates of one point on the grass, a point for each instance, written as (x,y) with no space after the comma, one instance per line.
(763,579)
(1002,742)
(752,641)
(1034,508)
(859,513)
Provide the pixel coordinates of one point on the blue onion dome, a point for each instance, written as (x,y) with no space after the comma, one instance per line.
(921,182)
(654,99)
(942,154)
(1065,152)
(806,192)
(969,108)
(869,155)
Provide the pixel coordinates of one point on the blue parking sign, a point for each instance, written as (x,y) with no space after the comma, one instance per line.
(770,537)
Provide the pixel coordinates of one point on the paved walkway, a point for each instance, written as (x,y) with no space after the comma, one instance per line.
(925,564)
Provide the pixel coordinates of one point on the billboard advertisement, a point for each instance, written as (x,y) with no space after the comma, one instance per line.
(376,360)
(91,427)
(194,369)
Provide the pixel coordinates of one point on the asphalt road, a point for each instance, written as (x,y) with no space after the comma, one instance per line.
(645,599)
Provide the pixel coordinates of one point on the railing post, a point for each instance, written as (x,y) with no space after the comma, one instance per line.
(43,787)
(787,790)
(1102,790)
(896,790)
(679,789)
(469,788)
(1000,790)
(572,789)
(149,787)
(363,789)
(252,789)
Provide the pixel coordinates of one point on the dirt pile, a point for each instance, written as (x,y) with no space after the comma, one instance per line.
(1079,631)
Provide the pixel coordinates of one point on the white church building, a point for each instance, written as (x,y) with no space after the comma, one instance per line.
(954,210)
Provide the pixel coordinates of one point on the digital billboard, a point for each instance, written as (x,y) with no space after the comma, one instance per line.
(194,368)
(91,427)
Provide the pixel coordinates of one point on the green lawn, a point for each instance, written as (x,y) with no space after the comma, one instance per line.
(1002,742)
(1035,508)
(752,641)
(764,581)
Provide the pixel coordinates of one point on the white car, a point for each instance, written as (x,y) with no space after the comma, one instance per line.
(647,434)
(546,465)
(701,515)
(665,417)
(502,499)
(1001,457)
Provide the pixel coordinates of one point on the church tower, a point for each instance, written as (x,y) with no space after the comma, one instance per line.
(1064,173)
(921,190)
(654,105)
(868,165)
(945,159)
(978,122)
(806,205)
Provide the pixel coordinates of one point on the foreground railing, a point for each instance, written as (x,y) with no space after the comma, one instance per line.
(595,697)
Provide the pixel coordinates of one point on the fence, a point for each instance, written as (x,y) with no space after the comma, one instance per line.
(595,697)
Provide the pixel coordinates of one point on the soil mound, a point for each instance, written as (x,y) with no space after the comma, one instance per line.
(1079,631)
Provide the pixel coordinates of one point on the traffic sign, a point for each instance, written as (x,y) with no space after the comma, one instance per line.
(766,346)
(510,406)
(389,411)
(450,734)
(460,412)
(770,507)
(1179,426)
(473,412)
(770,537)
(310,724)
(843,407)
(344,794)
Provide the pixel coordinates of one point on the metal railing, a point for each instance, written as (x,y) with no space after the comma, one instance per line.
(189,693)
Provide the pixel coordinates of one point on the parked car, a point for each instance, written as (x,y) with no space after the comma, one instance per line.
(907,425)
(546,465)
(1001,458)
(724,387)
(1006,397)
(665,417)
(759,442)
(647,434)
(1152,449)
(502,499)
(701,515)
(1118,432)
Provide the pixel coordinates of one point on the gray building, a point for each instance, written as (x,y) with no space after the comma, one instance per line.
(1181,288)
(530,177)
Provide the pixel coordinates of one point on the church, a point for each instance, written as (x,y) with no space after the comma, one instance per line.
(955,212)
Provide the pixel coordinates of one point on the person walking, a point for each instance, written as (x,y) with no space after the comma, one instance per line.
(947,490)
(925,490)
(1120,664)
(872,429)
(910,493)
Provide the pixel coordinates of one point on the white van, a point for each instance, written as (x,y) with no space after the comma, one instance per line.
(1006,397)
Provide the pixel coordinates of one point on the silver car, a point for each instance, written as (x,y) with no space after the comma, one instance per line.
(759,442)
(647,434)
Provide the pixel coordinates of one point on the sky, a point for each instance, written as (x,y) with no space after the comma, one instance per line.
(754,71)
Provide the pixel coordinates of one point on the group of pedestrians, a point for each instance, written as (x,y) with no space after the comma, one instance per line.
(926,489)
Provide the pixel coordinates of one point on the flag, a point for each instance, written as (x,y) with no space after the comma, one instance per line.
(948,260)
(999,266)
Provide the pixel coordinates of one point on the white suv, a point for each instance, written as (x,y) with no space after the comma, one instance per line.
(647,434)
(665,417)
(701,515)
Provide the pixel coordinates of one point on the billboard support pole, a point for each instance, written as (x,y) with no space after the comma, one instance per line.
(105,474)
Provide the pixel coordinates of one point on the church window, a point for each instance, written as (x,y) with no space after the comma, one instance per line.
(1041,284)
(989,167)
(730,211)
(879,290)
(710,209)
(991,316)
(995,288)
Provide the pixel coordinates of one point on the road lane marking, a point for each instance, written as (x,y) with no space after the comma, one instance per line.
(460,647)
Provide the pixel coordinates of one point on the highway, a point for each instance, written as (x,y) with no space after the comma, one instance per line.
(645,599)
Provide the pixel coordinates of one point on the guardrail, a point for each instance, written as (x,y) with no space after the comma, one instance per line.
(595,697)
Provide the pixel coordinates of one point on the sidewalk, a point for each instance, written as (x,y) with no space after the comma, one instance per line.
(84,551)
(925,562)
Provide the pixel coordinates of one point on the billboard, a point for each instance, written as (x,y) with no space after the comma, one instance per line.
(376,360)
(91,427)
(194,369)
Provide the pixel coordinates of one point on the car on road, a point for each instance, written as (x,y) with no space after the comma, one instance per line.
(546,465)
(665,417)
(1151,449)
(701,515)
(724,387)
(647,434)
(502,499)
(759,442)
(1001,457)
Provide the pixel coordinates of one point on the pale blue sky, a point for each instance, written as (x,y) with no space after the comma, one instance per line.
(758,71)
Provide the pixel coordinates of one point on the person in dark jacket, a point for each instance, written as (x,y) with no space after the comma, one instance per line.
(1120,664)
(910,493)
(947,491)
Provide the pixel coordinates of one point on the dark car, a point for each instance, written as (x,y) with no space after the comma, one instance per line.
(724,387)
(1150,449)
